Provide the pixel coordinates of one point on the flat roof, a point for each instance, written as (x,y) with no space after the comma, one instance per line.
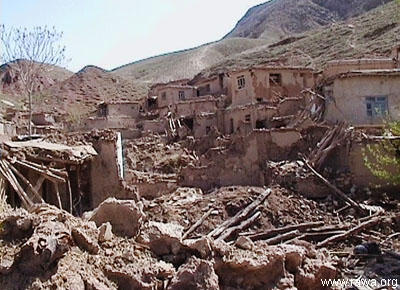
(274,68)
(358,61)
(372,72)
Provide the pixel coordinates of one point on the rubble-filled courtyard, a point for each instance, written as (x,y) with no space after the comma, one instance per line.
(251,178)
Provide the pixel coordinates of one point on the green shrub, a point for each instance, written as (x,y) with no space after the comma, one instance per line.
(383,158)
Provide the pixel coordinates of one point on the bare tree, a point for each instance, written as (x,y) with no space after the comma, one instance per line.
(29,53)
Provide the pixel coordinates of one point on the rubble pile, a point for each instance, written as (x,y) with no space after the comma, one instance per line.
(47,247)
(152,154)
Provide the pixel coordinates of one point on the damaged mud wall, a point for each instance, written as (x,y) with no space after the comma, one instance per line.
(243,161)
(105,174)
(354,90)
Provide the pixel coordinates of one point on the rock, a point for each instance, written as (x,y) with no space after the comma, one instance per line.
(127,280)
(203,246)
(17,226)
(196,274)
(105,232)
(75,282)
(91,283)
(49,242)
(163,238)
(6,264)
(244,243)
(125,216)
(316,271)
(260,268)
(84,241)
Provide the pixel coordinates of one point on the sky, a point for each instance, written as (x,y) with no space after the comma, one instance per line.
(111,33)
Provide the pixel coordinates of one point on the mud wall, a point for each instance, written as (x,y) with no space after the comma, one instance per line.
(342,66)
(243,162)
(259,88)
(170,95)
(104,173)
(124,110)
(349,98)
(109,123)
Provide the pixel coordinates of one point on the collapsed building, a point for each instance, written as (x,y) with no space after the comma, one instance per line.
(241,180)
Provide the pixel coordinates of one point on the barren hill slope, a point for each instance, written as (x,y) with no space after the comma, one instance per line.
(184,64)
(278,19)
(372,34)
(10,83)
(91,85)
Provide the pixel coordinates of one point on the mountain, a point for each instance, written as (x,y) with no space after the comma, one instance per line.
(372,34)
(186,63)
(278,19)
(91,85)
(276,23)
(48,75)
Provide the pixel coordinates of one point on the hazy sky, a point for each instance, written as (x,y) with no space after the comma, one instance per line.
(110,33)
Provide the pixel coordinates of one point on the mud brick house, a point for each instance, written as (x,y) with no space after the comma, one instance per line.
(364,97)
(114,109)
(164,94)
(337,67)
(269,84)
(215,85)
(120,115)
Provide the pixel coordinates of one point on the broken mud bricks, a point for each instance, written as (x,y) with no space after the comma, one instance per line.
(125,216)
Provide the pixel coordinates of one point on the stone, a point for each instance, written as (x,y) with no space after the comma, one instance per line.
(125,216)
(244,243)
(84,241)
(317,270)
(163,238)
(203,246)
(196,274)
(105,232)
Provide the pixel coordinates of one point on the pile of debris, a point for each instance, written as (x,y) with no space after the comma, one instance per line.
(45,170)
(116,247)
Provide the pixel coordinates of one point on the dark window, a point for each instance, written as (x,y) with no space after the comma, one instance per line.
(103,110)
(241,82)
(208,129)
(376,106)
(164,95)
(261,124)
(181,95)
(248,118)
(259,100)
(275,79)
(188,123)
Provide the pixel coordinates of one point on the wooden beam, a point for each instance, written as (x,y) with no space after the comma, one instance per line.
(26,181)
(240,216)
(7,173)
(48,175)
(368,224)
(278,231)
(198,223)
(243,225)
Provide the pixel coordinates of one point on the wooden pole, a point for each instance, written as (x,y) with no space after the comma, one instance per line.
(197,224)
(240,216)
(26,181)
(55,184)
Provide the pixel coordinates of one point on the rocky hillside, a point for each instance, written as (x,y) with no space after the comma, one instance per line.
(185,64)
(372,34)
(91,85)
(273,23)
(10,82)
(278,19)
